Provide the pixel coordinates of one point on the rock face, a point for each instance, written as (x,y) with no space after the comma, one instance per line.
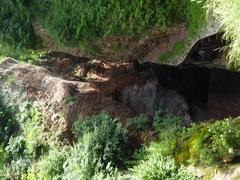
(151,97)
(232,172)
(87,89)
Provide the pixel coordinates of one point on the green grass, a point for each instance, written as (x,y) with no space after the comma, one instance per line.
(196,19)
(22,54)
(175,51)
(77,23)
(16,28)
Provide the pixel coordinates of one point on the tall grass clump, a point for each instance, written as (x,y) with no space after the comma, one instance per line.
(78,22)
(81,23)
(228,13)
(195,18)
(16,24)
(17,37)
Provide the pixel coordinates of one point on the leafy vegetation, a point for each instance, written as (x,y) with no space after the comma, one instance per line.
(80,23)
(159,167)
(227,12)
(16,24)
(100,151)
(108,140)
(211,143)
(139,123)
(97,19)
(22,54)
(8,123)
(86,162)
(195,19)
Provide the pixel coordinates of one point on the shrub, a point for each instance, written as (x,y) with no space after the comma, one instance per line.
(29,145)
(160,168)
(108,139)
(205,143)
(49,166)
(170,130)
(84,163)
(17,162)
(211,143)
(32,129)
(2,160)
(8,124)
(140,123)
(224,140)
(167,122)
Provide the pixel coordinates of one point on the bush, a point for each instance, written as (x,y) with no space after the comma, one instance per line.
(160,168)
(224,139)
(108,139)
(49,166)
(29,144)
(32,129)
(2,160)
(100,148)
(211,143)
(170,129)
(140,123)
(84,163)
(166,122)
(205,143)
(17,162)
(8,124)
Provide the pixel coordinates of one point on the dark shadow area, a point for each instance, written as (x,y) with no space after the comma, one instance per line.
(210,92)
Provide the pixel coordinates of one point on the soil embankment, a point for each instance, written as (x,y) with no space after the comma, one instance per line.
(70,89)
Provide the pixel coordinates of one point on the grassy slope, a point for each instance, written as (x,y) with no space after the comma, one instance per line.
(80,23)
(196,19)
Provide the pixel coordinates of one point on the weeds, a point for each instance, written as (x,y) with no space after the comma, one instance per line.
(80,23)
(195,15)
(101,149)
(227,13)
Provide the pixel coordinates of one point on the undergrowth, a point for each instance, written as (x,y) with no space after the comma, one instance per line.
(101,149)
(210,143)
(16,24)
(81,23)
(195,21)
(227,13)
(20,53)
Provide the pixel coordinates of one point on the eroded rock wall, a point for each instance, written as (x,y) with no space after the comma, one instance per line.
(88,88)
